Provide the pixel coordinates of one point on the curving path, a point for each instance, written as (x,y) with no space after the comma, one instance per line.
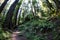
(15,36)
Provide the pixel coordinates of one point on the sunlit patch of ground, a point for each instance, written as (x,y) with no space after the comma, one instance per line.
(15,36)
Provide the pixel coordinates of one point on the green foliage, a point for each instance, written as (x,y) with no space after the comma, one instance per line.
(4,35)
(34,26)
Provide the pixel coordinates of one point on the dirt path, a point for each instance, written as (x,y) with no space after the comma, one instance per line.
(15,36)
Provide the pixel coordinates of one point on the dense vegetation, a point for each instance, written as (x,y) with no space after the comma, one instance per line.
(35,19)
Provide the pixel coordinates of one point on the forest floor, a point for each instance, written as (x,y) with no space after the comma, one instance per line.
(15,36)
(50,34)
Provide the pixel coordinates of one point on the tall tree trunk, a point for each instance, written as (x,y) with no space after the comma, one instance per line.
(8,21)
(3,5)
(17,11)
(57,2)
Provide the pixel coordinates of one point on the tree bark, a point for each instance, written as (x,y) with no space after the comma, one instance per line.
(3,5)
(57,2)
(8,20)
(16,13)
